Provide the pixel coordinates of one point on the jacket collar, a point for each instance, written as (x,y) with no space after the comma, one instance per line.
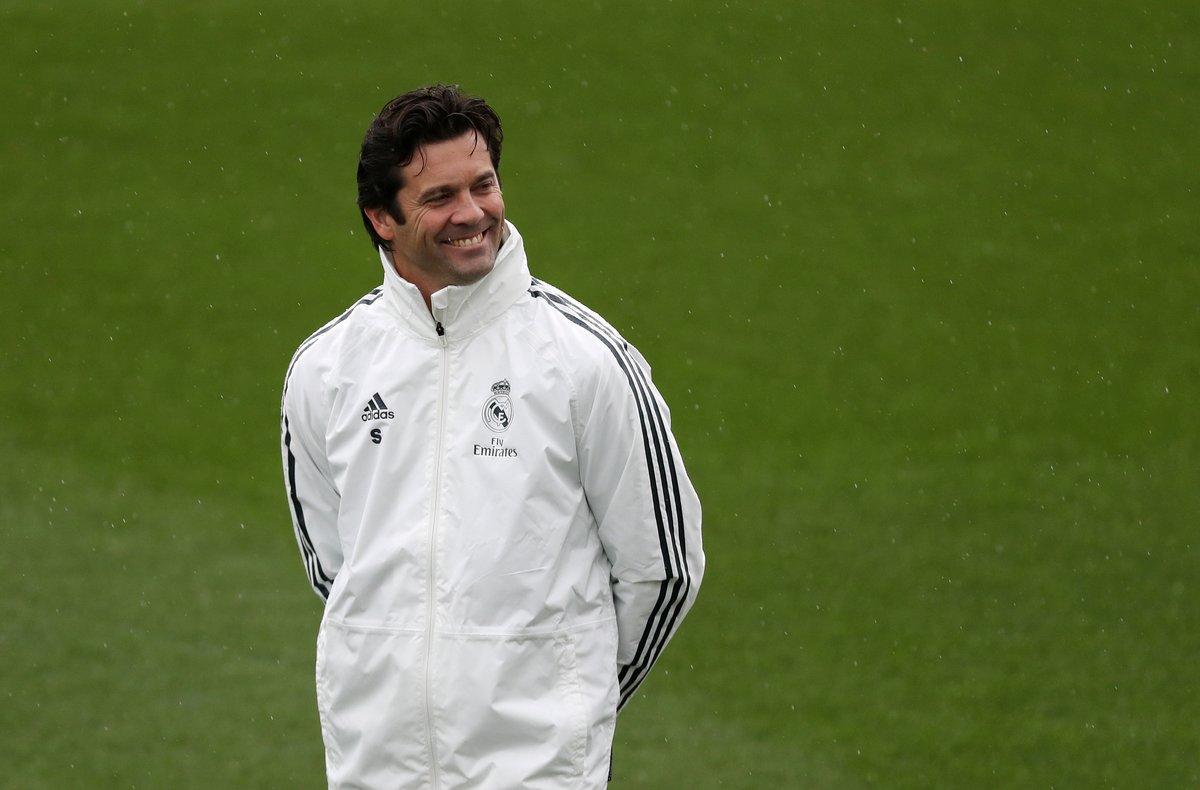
(461,309)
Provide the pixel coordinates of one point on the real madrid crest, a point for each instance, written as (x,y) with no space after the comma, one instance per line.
(498,411)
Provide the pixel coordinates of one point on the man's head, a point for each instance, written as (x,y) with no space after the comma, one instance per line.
(429,189)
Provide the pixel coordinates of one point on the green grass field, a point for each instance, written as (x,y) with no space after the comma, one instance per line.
(920,281)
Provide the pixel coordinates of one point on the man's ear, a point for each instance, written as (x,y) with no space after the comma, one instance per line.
(383,221)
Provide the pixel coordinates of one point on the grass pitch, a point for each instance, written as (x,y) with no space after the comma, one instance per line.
(918,280)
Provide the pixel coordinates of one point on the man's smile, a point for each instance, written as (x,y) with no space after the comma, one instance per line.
(467,241)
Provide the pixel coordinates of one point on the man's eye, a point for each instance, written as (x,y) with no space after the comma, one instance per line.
(440,198)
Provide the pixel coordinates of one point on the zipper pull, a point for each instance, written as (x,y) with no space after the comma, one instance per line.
(441,332)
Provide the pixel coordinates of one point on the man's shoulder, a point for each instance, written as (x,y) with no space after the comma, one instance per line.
(589,340)
(320,347)
(577,321)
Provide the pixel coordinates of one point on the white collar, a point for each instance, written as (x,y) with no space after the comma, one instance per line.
(460,309)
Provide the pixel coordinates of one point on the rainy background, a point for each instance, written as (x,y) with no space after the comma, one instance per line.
(919,280)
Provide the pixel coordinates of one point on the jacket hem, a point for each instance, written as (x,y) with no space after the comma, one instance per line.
(478,633)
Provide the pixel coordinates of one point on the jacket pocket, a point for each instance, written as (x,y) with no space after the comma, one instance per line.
(510,710)
(573,697)
(372,705)
(331,756)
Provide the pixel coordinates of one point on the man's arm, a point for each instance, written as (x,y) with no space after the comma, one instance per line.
(646,508)
(312,497)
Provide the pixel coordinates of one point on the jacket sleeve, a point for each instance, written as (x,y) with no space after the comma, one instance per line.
(312,496)
(647,511)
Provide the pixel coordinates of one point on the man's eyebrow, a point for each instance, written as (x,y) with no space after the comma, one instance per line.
(446,188)
(434,190)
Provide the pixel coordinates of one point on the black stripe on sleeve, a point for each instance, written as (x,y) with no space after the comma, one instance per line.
(317,576)
(631,675)
(675,588)
(311,561)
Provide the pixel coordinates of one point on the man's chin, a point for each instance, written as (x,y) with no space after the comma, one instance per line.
(468,272)
(483,257)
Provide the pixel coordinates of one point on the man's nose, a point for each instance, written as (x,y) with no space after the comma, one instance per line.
(466,211)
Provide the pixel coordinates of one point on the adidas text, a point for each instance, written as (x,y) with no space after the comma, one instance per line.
(377,415)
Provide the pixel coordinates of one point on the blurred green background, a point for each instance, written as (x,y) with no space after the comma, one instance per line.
(918,279)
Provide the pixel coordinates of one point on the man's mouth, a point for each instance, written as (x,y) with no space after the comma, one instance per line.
(468,241)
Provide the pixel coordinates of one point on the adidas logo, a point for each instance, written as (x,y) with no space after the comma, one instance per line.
(376,409)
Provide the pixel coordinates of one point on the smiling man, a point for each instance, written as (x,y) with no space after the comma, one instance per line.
(446,222)
(484,487)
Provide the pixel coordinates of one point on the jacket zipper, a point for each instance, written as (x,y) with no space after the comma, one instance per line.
(433,520)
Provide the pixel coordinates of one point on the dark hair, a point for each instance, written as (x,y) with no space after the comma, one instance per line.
(426,115)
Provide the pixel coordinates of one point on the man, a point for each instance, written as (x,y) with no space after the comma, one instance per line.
(484,488)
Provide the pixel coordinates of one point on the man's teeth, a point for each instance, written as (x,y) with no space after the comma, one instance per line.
(478,237)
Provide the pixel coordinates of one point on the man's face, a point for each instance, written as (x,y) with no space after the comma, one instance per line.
(453,215)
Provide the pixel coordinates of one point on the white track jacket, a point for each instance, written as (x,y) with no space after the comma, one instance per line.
(490,500)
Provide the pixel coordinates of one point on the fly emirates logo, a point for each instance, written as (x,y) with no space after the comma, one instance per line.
(495,450)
